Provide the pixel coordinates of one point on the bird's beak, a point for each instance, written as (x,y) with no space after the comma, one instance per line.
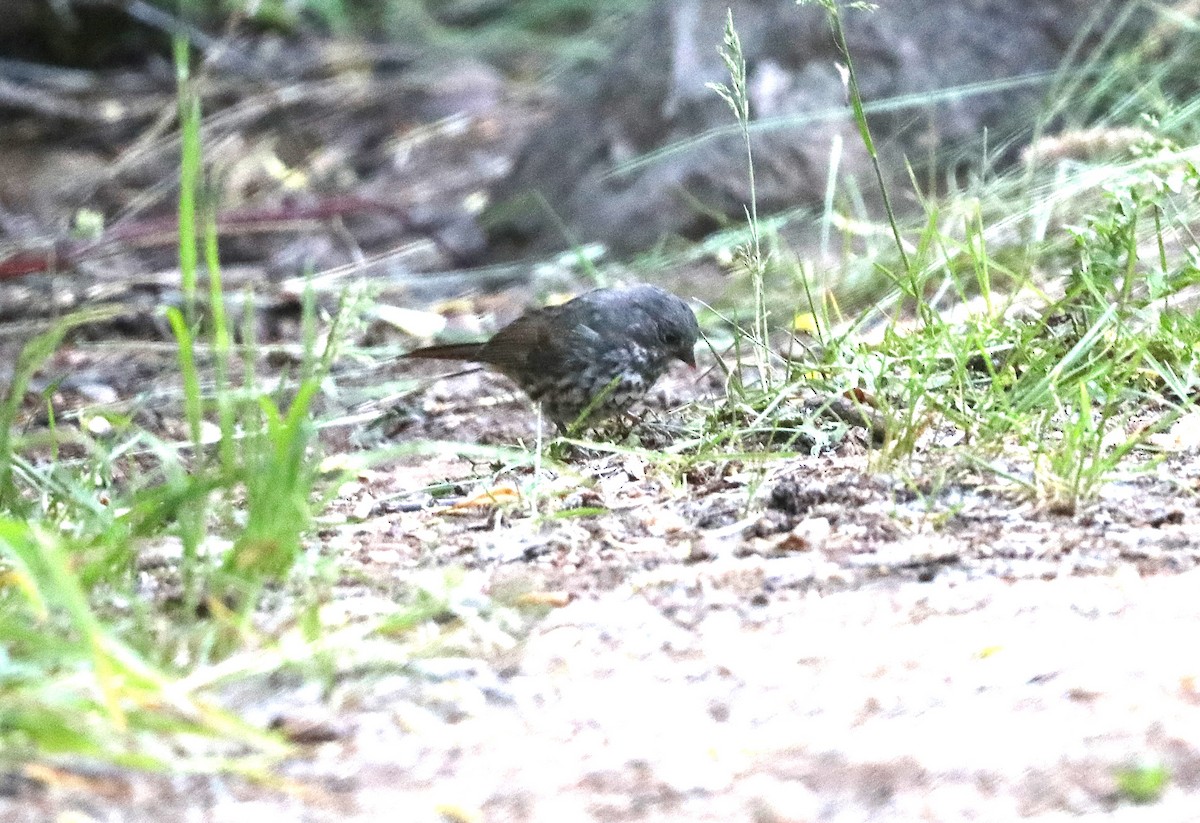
(688,357)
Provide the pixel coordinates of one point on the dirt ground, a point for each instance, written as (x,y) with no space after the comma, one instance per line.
(802,638)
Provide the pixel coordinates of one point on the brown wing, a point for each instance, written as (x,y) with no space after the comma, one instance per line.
(527,345)
(533,343)
(546,342)
(450,351)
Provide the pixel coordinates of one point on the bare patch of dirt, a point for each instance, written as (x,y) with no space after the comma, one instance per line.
(802,638)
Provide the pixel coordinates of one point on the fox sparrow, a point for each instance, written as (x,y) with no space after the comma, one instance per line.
(599,353)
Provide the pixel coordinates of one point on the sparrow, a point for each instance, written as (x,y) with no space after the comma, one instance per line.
(591,357)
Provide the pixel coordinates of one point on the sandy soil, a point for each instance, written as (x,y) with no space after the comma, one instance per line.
(802,640)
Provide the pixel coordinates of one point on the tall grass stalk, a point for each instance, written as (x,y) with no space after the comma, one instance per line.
(834,15)
(736,97)
(184,324)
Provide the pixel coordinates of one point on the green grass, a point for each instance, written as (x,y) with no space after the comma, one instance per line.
(1143,784)
(1054,393)
(88,664)
(541,35)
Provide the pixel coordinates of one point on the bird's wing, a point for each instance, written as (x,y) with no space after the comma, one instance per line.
(449,351)
(550,341)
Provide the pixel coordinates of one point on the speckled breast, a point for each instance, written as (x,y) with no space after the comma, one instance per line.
(607,386)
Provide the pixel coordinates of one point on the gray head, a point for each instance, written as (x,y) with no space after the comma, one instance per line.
(659,320)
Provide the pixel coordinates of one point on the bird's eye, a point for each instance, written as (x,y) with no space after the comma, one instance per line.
(672,338)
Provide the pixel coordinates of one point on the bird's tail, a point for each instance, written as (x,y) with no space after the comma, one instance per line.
(450,351)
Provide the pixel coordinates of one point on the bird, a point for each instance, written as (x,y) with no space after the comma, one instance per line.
(591,357)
